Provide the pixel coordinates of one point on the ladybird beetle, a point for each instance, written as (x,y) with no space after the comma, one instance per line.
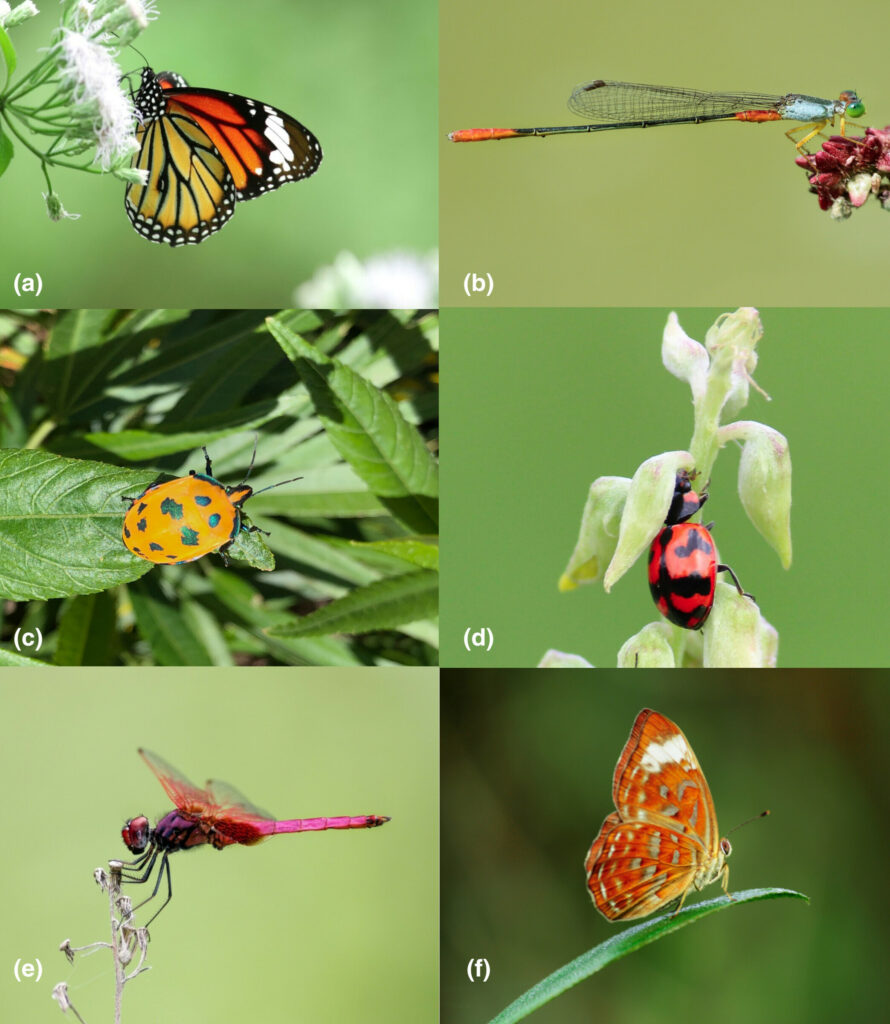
(683,561)
(184,519)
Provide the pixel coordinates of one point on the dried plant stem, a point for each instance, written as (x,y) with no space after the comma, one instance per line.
(126,939)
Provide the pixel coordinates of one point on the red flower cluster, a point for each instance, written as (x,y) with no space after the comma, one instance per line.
(847,170)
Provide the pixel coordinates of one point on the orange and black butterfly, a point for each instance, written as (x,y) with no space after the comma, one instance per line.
(205,150)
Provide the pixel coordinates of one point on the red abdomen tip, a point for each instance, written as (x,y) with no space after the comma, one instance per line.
(481,134)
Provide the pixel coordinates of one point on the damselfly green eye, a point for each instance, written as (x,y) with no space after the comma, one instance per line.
(855,106)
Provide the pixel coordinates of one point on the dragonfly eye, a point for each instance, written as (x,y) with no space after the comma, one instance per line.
(855,106)
(135,834)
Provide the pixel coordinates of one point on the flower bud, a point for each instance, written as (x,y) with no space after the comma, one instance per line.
(735,635)
(559,659)
(599,531)
(732,341)
(684,357)
(765,482)
(650,648)
(24,11)
(648,500)
(861,186)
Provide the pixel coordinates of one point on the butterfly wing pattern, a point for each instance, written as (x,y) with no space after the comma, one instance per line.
(203,150)
(661,841)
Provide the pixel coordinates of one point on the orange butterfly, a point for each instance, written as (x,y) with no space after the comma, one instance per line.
(661,841)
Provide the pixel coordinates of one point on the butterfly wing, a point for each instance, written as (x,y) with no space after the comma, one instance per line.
(662,838)
(263,148)
(204,150)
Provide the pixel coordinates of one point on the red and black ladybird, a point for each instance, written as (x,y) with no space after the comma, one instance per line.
(184,519)
(683,561)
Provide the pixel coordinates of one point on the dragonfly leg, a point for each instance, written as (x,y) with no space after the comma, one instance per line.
(148,862)
(164,869)
(129,869)
(813,129)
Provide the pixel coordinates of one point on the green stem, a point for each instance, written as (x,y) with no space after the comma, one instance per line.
(44,430)
(32,79)
(704,444)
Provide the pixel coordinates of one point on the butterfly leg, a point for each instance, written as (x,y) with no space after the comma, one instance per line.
(725,874)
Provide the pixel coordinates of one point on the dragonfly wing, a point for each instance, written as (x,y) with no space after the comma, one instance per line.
(233,804)
(186,795)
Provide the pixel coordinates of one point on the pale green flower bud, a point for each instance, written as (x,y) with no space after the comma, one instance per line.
(648,501)
(732,341)
(24,11)
(765,482)
(54,208)
(650,648)
(684,357)
(736,635)
(598,536)
(559,659)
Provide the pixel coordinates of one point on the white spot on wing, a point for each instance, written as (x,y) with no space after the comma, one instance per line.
(674,750)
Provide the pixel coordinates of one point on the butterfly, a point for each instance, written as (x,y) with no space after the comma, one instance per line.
(205,150)
(661,841)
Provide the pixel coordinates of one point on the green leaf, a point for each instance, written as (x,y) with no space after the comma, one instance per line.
(369,431)
(384,604)
(250,547)
(625,942)
(76,358)
(164,627)
(8,51)
(87,631)
(243,603)
(9,659)
(60,525)
(6,149)
(419,551)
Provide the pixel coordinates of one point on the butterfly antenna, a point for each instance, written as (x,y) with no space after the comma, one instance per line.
(763,814)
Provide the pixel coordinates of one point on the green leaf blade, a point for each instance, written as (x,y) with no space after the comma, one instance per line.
(60,525)
(383,604)
(367,428)
(628,941)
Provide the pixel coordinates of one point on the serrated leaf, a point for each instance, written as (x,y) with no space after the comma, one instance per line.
(414,550)
(369,431)
(250,547)
(9,659)
(60,525)
(384,604)
(625,942)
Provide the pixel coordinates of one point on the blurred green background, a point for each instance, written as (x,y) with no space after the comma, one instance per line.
(542,402)
(312,927)
(362,78)
(687,214)
(527,769)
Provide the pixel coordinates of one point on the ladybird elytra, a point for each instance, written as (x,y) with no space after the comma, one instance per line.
(683,563)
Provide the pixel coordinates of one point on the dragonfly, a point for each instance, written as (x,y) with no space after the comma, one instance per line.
(611,105)
(217,816)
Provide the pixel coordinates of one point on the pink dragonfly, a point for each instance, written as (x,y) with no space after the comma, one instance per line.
(218,815)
